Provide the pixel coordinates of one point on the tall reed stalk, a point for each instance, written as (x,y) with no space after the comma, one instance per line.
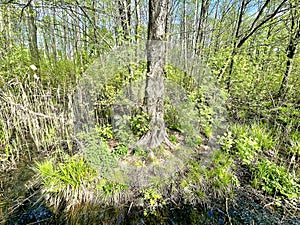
(34,118)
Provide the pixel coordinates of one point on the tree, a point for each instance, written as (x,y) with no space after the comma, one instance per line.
(32,34)
(291,48)
(154,90)
(240,39)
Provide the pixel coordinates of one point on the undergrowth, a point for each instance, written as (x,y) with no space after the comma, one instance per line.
(258,148)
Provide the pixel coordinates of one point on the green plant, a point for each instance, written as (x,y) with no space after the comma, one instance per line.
(262,135)
(217,178)
(66,181)
(193,141)
(105,131)
(247,149)
(171,117)
(248,142)
(153,199)
(274,179)
(226,142)
(121,150)
(220,176)
(173,139)
(140,124)
(140,152)
(295,143)
(109,187)
(32,118)
(97,152)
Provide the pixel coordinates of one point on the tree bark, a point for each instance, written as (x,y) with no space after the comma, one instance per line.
(200,31)
(290,51)
(32,36)
(125,17)
(53,38)
(154,90)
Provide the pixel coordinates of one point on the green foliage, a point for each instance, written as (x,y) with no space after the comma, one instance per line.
(193,141)
(263,135)
(152,196)
(171,117)
(123,130)
(289,116)
(140,152)
(205,111)
(174,74)
(295,145)
(227,141)
(72,182)
(105,131)
(217,178)
(189,123)
(61,73)
(15,65)
(274,179)
(140,124)
(250,143)
(33,119)
(247,142)
(153,199)
(111,87)
(220,176)
(109,187)
(65,181)
(173,139)
(247,149)
(97,152)
(121,150)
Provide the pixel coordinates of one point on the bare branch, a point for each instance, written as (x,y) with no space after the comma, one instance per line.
(254,29)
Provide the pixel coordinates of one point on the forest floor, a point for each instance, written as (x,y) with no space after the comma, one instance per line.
(248,206)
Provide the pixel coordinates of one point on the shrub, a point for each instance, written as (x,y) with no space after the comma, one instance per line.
(274,179)
(140,124)
(96,151)
(121,150)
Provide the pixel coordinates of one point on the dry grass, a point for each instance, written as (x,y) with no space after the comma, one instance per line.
(33,117)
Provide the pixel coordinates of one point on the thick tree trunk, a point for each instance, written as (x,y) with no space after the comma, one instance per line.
(154,90)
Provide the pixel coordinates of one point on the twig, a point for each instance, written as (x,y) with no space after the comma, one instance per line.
(227,211)
(22,11)
(130,207)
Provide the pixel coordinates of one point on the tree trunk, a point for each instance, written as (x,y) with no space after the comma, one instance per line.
(290,51)
(32,37)
(234,50)
(125,17)
(154,90)
(53,36)
(137,18)
(200,31)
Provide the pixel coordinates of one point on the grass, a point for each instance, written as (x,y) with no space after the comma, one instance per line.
(36,119)
(256,147)
(32,117)
(275,180)
(68,182)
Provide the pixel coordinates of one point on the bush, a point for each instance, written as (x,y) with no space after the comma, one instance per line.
(140,124)
(274,179)
(96,151)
